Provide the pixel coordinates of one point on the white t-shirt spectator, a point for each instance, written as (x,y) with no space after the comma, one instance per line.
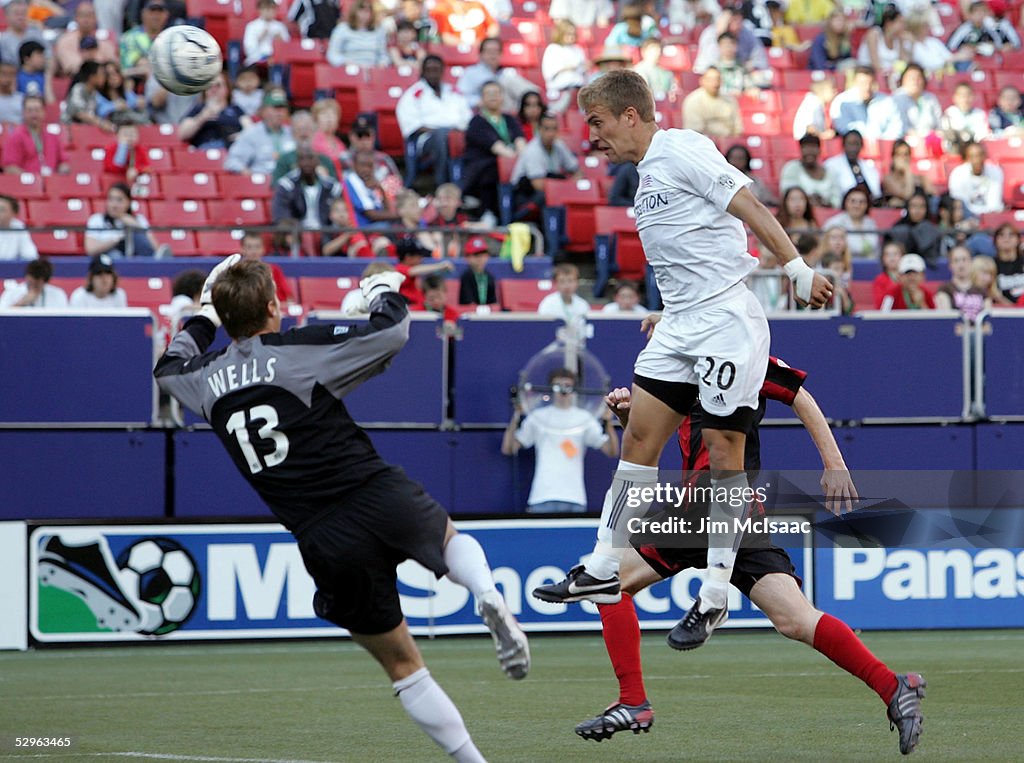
(51,298)
(258,40)
(553,306)
(86,300)
(16,243)
(561,437)
(980,194)
(612,307)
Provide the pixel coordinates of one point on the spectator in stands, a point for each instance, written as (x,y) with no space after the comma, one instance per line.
(961,227)
(811,116)
(36,290)
(833,268)
(862,108)
(886,45)
(832,242)
(260,33)
(303,131)
(767,283)
(909,293)
(959,292)
(707,111)
(408,210)
(363,137)
(345,240)
(982,34)
(435,300)
(810,175)
(598,13)
(919,110)
(625,180)
(259,146)
(546,156)
(635,27)
(410,264)
(736,80)
(426,113)
(691,14)
(33,77)
(303,194)
(892,252)
(327,115)
(135,43)
(118,232)
(406,50)
(477,286)
(561,433)
(284,241)
(809,247)
(777,32)
(751,53)
(83,98)
(15,241)
(963,122)
(67,50)
(983,276)
(490,135)
(101,291)
(489,69)
(316,18)
(977,182)
(10,98)
(531,109)
(166,108)
(626,300)
(360,39)
(916,232)
(252,248)
(117,104)
(796,212)
(928,52)
(564,302)
(247,94)
(849,169)
(565,64)
(19,30)
(832,50)
(465,22)
(186,288)
(809,12)
(31,147)
(901,182)
(370,205)
(1009,262)
(661,81)
(739,157)
(1007,117)
(609,59)
(445,212)
(125,158)
(862,237)
(214,123)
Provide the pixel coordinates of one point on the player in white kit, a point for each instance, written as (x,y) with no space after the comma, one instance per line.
(712,339)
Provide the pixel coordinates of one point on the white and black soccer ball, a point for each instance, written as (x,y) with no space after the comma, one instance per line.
(185,59)
(160,578)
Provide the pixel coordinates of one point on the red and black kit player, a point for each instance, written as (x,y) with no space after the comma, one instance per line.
(763,572)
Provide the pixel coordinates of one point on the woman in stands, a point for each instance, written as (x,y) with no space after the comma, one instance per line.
(117,103)
(862,237)
(796,213)
(214,122)
(490,134)
(565,64)
(890,261)
(531,109)
(984,274)
(916,232)
(360,40)
(1009,262)
(959,292)
(834,242)
(901,182)
(886,44)
(116,231)
(101,291)
(327,115)
(831,49)
(739,157)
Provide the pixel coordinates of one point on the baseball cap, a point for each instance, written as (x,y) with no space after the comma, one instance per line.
(275,97)
(101,263)
(476,245)
(88,43)
(408,246)
(363,126)
(911,263)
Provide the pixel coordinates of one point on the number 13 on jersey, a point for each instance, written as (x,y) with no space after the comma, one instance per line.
(238,425)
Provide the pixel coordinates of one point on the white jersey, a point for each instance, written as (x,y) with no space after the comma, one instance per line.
(696,248)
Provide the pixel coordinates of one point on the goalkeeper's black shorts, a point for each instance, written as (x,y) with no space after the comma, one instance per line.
(352,552)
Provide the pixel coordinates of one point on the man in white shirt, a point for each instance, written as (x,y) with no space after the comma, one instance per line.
(564,302)
(426,113)
(849,170)
(561,433)
(35,290)
(489,69)
(691,206)
(861,107)
(978,184)
(15,242)
(810,175)
(258,147)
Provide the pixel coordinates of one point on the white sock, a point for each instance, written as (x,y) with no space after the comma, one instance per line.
(615,515)
(467,564)
(723,545)
(435,713)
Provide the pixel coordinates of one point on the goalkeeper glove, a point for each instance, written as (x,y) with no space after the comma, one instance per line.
(206,308)
(380,283)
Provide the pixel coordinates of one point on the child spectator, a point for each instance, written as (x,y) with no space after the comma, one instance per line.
(406,50)
(125,158)
(36,290)
(959,292)
(410,264)
(260,33)
(564,302)
(247,95)
(984,276)
(626,300)
(831,266)
(982,34)
(32,76)
(892,252)
(185,291)
(1007,117)
(252,248)
(344,240)
(635,27)
(909,293)
(101,291)
(15,241)
(435,300)
(963,122)
(477,286)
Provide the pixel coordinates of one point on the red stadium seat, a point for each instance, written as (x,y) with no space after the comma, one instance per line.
(85,159)
(676,58)
(184,212)
(58,242)
(456,55)
(143,291)
(58,212)
(347,82)
(200,185)
(523,295)
(761,123)
(239,212)
(387,77)
(219,242)
(578,197)
(1005,149)
(188,159)
(87,136)
(620,222)
(182,242)
(519,55)
(159,136)
(320,293)
(160,159)
(256,186)
(77,185)
(22,186)
(505,166)
(382,102)
(863,295)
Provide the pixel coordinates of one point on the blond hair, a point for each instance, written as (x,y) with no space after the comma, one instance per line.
(618,91)
(985,264)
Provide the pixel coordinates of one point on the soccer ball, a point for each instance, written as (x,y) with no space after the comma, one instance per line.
(185,59)
(159,578)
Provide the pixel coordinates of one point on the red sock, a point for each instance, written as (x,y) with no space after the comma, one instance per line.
(621,631)
(834,639)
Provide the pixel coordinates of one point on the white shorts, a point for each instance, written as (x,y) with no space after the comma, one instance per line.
(721,347)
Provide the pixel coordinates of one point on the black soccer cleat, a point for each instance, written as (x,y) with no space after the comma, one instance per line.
(696,627)
(616,718)
(905,710)
(580,585)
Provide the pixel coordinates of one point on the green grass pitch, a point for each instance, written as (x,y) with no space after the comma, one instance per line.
(744,697)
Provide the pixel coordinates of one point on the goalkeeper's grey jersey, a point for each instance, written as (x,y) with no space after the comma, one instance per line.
(275,402)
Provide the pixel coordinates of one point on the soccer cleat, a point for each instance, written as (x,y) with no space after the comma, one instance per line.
(696,627)
(580,585)
(905,710)
(509,640)
(617,717)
